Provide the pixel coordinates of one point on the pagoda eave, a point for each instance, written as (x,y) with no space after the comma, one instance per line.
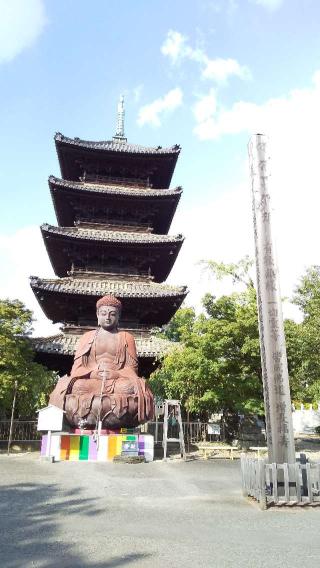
(116,237)
(57,352)
(154,253)
(65,344)
(75,201)
(97,287)
(118,190)
(78,157)
(74,300)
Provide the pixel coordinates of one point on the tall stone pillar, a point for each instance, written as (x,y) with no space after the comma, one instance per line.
(276,388)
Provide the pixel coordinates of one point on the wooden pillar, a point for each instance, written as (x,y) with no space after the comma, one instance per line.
(272,340)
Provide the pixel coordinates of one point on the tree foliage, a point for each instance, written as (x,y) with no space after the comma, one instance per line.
(307,371)
(239,271)
(217,363)
(16,363)
(181,325)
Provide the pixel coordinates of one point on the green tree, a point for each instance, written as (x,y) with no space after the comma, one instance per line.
(217,364)
(181,325)
(239,271)
(307,368)
(16,362)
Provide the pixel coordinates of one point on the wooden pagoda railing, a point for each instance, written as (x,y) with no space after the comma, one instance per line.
(113,180)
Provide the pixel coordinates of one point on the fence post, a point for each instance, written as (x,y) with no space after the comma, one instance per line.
(262,485)
(309,482)
(303,461)
(12,415)
(157,430)
(244,474)
(275,482)
(286,479)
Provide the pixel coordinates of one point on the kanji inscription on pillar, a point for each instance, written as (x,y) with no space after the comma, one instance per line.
(272,339)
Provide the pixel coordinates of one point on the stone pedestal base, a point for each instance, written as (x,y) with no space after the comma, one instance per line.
(66,446)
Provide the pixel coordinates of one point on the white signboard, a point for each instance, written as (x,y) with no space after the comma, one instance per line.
(50,418)
(159,410)
(214,429)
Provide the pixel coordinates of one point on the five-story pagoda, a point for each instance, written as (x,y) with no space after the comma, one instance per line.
(114,208)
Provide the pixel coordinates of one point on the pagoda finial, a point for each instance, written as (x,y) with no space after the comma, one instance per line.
(119,136)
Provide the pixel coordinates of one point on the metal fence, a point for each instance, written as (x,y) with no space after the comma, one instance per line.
(26,431)
(280,484)
(23,431)
(193,431)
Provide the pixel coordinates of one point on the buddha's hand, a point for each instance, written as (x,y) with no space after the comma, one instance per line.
(107,374)
(113,375)
(124,386)
(99,374)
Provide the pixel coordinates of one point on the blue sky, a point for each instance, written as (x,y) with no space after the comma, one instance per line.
(203,74)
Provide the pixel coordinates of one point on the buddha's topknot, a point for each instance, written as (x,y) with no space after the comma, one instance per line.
(109,301)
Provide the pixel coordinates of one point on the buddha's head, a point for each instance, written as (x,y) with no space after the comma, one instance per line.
(108,312)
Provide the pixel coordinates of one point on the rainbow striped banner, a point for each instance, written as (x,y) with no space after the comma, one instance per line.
(74,447)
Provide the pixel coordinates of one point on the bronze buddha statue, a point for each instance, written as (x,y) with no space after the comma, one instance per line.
(103,384)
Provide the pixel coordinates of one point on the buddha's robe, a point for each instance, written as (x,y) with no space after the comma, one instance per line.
(123,391)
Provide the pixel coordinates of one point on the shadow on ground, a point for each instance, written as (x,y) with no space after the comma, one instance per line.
(29,533)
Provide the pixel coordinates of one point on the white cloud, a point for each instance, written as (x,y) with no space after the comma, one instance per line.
(152,113)
(217,229)
(23,254)
(221,229)
(230,7)
(137,91)
(294,113)
(205,107)
(220,69)
(176,47)
(270,5)
(21,23)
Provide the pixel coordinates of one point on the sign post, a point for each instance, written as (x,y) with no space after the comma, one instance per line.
(272,340)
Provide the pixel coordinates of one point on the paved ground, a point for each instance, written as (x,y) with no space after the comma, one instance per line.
(154,515)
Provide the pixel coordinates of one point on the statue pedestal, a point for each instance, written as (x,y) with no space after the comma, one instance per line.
(66,446)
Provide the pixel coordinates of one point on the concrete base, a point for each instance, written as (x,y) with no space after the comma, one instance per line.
(65,446)
(128,459)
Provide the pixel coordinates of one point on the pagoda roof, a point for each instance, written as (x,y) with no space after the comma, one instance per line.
(108,189)
(65,344)
(117,146)
(157,252)
(97,287)
(114,157)
(111,236)
(73,300)
(80,200)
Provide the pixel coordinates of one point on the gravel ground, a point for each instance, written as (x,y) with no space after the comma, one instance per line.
(179,514)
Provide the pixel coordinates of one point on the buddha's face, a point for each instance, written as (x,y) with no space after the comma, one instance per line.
(108,317)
